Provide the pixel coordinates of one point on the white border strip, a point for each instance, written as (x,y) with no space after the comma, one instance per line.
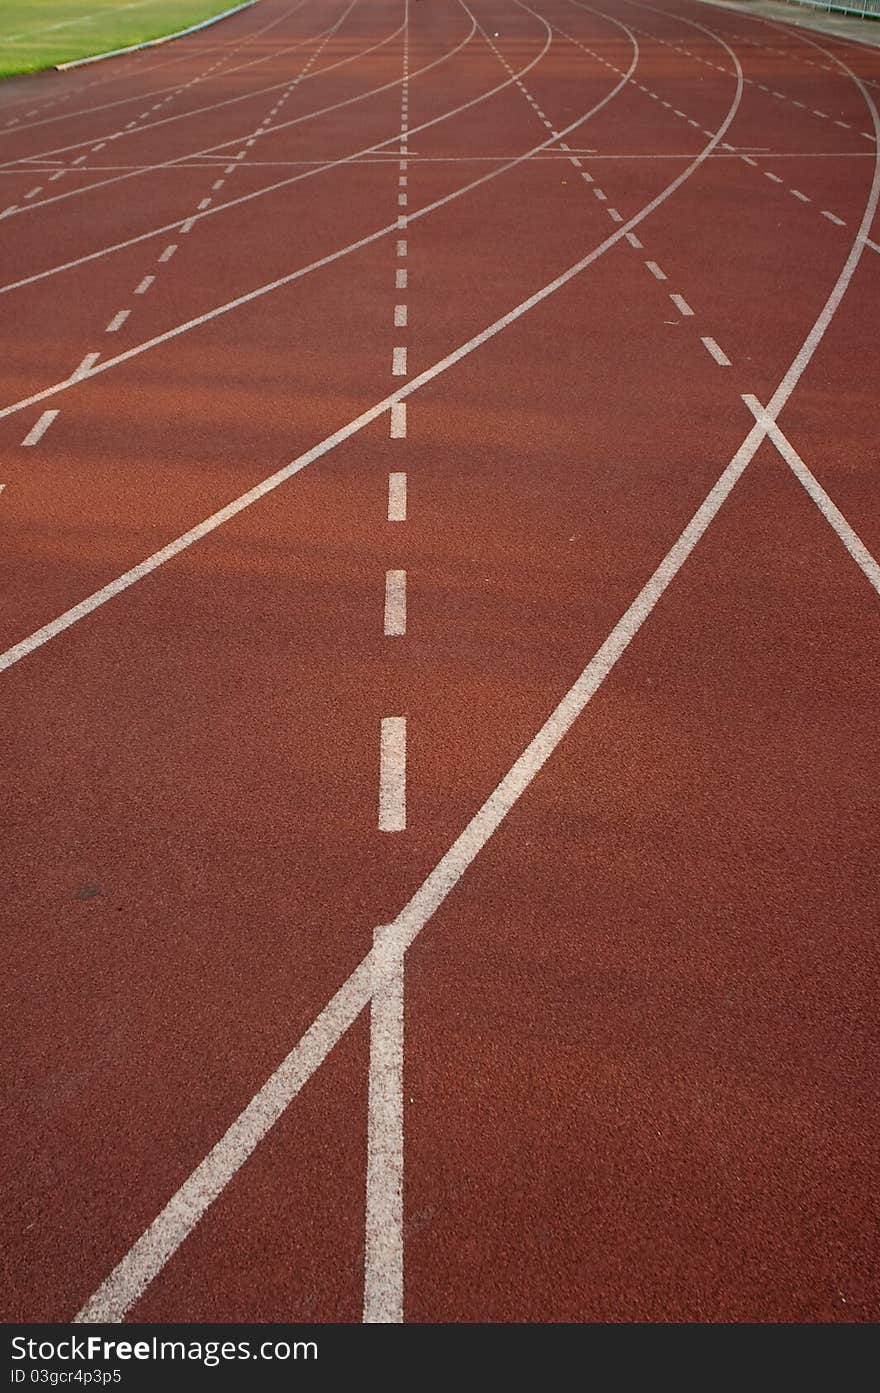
(153,43)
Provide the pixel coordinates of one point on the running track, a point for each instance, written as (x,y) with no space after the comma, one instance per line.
(441,626)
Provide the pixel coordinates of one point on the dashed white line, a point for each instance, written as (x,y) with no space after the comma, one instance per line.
(400,279)
(392,774)
(168,252)
(717,353)
(656,271)
(681,305)
(796,193)
(145,285)
(39,430)
(768,174)
(117,321)
(395,604)
(398,420)
(401,249)
(832,217)
(633,241)
(398,362)
(397,498)
(400,316)
(87,363)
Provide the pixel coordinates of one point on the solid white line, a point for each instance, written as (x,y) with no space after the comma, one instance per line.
(395,604)
(145,285)
(398,420)
(82,371)
(681,304)
(398,362)
(149,43)
(717,353)
(400,316)
(829,510)
(397,498)
(39,430)
(117,321)
(392,774)
(383,1255)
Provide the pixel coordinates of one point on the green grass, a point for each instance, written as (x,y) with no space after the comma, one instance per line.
(40,33)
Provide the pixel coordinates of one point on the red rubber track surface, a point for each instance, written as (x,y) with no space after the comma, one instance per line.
(641,1042)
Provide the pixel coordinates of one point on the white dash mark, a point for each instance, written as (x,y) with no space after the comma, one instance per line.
(614,215)
(587,178)
(398,420)
(600,194)
(400,316)
(188,225)
(769,175)
(218,184)
(168,252)
(397,498)
(205,203)
(747,159)
(656,271)
(87,363)
(633,241)
(402,200)
(681,305)
(796,193)
(395,604)
(400,278)
(117,321)
(398,362)
(717,353)
(401,249)
(832,217)
(40,428)
(392,774)
(145,285)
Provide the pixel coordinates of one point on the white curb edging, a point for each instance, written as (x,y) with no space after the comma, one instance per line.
(151,43)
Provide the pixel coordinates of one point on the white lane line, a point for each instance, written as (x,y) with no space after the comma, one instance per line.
(768,174)
(392,774)
(398,420)
(717,353)
(218,184)
(829,510)
(87,363)
(398,362)
(397,498)
(168,252)
(634,241)
(796,193)
(832,217)
(400,279)
(39,430)
(586,176)
(600,194)
(681,305)
(400,316)
(383,1255)
(395,604)
(614,215)
(402,200)
(148,1255)
(145,285)
(401,248)
(655,271)
(117,321)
